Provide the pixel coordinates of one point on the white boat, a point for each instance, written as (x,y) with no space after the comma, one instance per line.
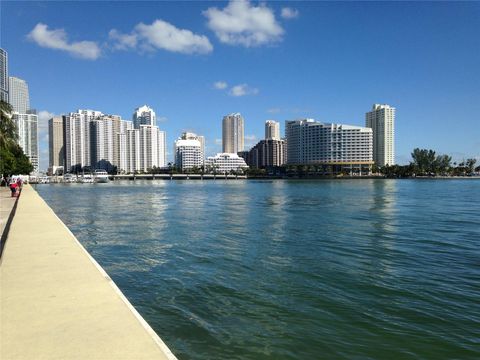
(87,179)
(69,178)
(100,176)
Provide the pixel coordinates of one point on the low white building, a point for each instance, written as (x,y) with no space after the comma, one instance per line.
(223,163)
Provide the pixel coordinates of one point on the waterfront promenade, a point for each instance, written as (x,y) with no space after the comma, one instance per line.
(56,302)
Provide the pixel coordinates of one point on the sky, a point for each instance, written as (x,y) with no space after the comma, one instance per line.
(194,62)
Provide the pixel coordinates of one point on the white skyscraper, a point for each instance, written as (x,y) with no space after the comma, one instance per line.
(3,75)
(18,95)
(152,147)
(132,142)
(77,139)
(233,133)
(143,115)
(121,149)
(102,144)
(27,126)
(272,130)
(382,121)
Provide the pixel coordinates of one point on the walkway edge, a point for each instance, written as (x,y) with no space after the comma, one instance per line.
(139,317)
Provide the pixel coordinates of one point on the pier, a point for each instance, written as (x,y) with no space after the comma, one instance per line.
(56,301)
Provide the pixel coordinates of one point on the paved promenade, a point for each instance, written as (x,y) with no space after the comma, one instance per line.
(56,302)
(6,206)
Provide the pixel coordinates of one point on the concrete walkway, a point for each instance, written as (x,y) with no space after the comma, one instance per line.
(6,205)
(56,302)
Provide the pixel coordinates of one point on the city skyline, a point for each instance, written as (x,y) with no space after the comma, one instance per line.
(346,70)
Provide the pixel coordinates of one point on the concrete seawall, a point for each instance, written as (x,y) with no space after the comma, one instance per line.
(56,302)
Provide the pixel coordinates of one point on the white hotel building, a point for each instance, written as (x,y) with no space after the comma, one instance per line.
(345,147)
(224,163)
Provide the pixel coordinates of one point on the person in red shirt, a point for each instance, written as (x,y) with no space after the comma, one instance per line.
(13,188)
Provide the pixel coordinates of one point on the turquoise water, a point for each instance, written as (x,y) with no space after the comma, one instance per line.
(354,269)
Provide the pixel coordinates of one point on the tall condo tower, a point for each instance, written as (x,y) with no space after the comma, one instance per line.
(27,126)
(272,130)
(55,142)
(144,115)
(18,95)
(382,121)
(232,133)
(3,75)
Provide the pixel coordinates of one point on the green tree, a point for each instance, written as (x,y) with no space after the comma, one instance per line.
(470,165)
(8,129)
(423,160)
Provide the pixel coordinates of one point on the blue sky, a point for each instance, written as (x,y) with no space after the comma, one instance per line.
(194,62)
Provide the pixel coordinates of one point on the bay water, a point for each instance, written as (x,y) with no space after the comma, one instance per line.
(352,269)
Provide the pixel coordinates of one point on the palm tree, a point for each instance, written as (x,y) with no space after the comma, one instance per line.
(8,129)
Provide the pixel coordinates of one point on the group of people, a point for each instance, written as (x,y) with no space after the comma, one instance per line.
(15,184)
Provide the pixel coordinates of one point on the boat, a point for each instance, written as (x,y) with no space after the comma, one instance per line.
(69,178)
(86,179)
(100,176)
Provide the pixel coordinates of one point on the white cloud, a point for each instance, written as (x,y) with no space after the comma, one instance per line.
(218,141)
(289,13)
(242,90)
(122,41)
(241,23)
(57,39)
(162,119)
(161,35)
(220,85)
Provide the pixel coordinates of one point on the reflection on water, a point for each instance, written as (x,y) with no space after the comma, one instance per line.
(290,269)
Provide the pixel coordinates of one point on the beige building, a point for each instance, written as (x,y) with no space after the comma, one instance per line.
(382,121)
(272,130)
(55,142)
(232,133)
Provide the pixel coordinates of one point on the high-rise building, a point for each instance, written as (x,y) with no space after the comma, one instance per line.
(272,130)
(55,142)
(27,126)
(102,150)
(267,153)
(121,148)
(143,115)
(382,121)
(3,75)
(188,153)
(152,147)
(346,147)
(18,95)
(132,142)
(225,163)
(76,128)
(232,133)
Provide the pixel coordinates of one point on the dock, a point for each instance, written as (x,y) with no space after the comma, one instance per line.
(56,301)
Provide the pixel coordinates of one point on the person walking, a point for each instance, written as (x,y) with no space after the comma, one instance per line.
(13,187)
